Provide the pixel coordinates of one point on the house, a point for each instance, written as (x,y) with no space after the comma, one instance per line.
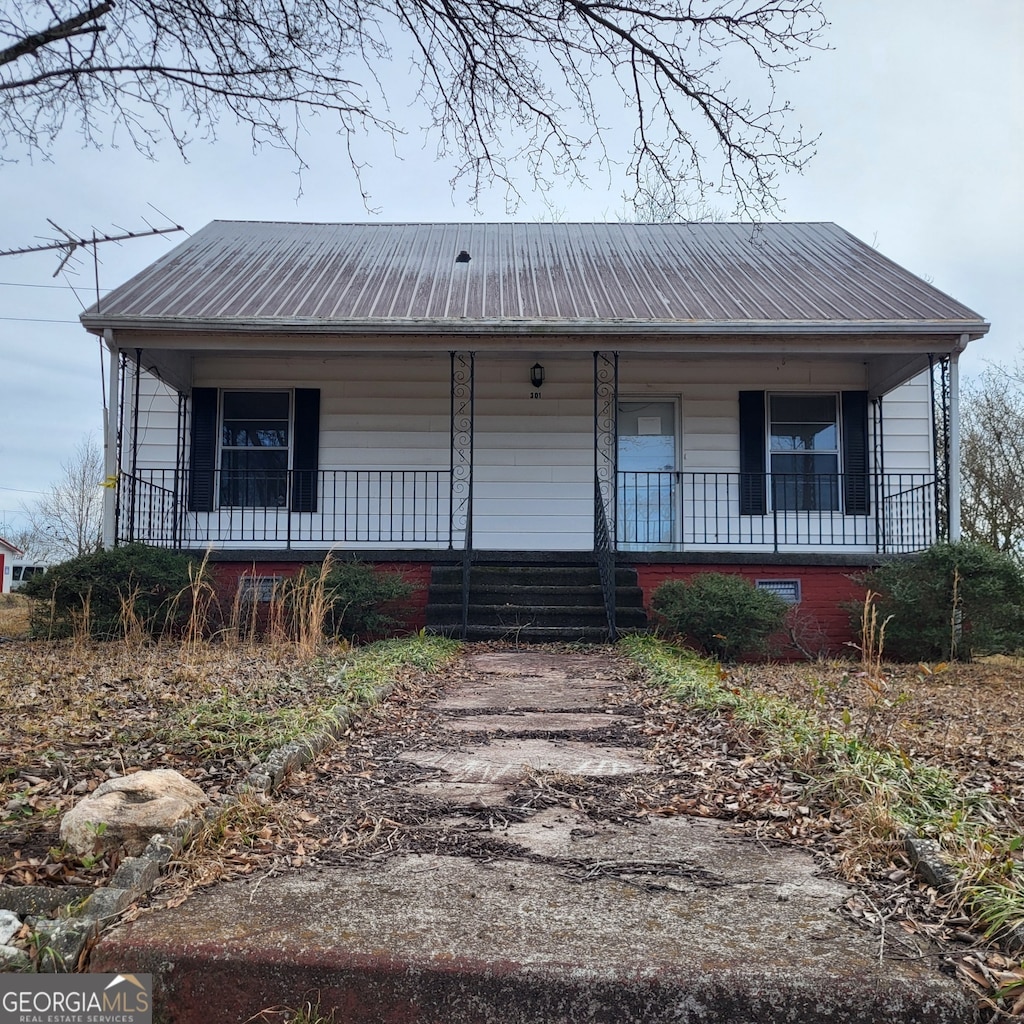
(8,555)
(482,403)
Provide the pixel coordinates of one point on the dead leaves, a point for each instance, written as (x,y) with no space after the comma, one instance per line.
(965,717)
(997,980)
(75,715)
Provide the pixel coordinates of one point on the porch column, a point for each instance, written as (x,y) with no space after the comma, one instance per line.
(606,441)
(110,482)
(462,422)
(461,462)
(940,442)
(954,441)
(606,448)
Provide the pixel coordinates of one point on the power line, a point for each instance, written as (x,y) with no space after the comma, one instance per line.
(35,320)
(23,284)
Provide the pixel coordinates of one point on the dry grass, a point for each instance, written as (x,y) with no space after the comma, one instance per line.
(77,712)
(13,615)
(965,717)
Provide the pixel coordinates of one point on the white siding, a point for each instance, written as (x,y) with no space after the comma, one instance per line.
(534,458)
(906,418)
(158,421)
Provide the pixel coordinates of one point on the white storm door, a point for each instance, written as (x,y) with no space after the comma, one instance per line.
(648,495)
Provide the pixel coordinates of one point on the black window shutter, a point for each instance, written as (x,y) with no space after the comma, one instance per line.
(305,449)
(203,453)
(753,489)
(857,492)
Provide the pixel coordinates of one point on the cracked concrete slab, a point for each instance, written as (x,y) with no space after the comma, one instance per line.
(435,939)
(463,794)
(534,722)
(535,693)
(508,760)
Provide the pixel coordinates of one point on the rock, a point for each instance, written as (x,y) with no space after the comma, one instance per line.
(127,811)
(13,960)
(10,925)
(39,900)
(62,944)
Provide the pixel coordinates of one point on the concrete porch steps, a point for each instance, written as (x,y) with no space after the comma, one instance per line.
(532,603)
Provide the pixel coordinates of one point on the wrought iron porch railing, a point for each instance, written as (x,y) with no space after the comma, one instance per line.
(604,552)
(378,506)
(663,510)
(890,512)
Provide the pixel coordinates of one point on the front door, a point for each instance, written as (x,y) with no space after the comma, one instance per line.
(648,482)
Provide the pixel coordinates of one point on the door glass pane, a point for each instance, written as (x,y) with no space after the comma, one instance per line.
(647,480)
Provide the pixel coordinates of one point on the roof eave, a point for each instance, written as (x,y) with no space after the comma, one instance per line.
(533,327)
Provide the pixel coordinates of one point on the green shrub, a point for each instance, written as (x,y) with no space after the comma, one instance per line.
(724,614)
(952,601)
(359,600)
(134,588)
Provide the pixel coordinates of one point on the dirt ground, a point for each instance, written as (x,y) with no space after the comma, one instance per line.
(73,715)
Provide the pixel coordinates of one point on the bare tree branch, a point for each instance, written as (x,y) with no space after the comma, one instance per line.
(67,520)
(992,458)
(74,26)
(503,85)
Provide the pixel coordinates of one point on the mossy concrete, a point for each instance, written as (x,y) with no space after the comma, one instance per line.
(678,922)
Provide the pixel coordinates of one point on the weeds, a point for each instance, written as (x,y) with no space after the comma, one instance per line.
(311,606)
(81,620)
(886,792)
(249,721)
(133,629)
(309,1013)
(202,599)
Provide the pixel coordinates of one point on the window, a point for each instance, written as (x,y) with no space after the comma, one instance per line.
(804,452)
(21,574)
(254,449)
(796,442)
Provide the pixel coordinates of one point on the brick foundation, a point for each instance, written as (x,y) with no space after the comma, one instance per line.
(227,576)
(822,620)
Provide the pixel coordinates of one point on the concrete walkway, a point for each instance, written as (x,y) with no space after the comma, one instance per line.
(656,920)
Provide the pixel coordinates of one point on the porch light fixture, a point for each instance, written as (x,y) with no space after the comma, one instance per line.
(536,375)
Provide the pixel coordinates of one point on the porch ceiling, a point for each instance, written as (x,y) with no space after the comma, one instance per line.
(888,362)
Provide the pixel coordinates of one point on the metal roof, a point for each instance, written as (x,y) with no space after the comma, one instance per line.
(397,277)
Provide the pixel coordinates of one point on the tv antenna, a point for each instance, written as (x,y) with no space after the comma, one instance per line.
(70,243)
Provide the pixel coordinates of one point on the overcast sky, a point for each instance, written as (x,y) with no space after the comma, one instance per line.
(920,107)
